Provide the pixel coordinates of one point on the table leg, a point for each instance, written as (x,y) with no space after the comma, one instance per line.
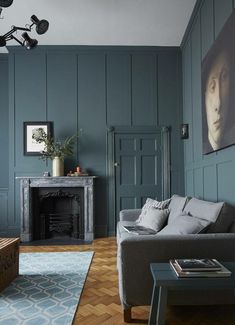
(153,308)
(162,304)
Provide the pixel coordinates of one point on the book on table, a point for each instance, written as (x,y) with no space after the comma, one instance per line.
(139,230)
(222,272)
(194,264)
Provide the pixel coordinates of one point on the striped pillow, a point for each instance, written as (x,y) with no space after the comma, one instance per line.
(150,203)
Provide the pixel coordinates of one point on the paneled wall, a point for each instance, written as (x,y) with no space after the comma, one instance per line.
(4,143)
(212,176)
(87,90)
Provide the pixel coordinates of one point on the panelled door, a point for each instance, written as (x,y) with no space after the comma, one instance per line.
(140,168)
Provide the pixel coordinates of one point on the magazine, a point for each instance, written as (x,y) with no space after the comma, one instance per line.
(139,230)
(193,264)
(223,272)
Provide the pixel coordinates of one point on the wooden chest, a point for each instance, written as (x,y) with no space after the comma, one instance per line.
(9,260)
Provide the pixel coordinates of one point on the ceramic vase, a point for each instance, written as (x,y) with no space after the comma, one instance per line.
(57,167)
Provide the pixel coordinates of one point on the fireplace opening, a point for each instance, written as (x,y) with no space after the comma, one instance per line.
(58,213)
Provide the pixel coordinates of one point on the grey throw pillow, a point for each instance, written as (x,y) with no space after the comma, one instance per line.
(184,225)
(204,209)
(154,218)
(150,203)
(176,206)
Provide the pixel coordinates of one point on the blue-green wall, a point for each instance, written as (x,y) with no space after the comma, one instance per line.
(4,143)
(89,89)
(212,176)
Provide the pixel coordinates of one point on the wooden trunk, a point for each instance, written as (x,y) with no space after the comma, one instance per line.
(9,260)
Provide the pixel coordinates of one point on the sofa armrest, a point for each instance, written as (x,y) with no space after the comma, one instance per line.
(129,214)
(135,254)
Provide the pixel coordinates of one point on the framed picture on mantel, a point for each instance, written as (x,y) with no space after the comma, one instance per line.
(31,146)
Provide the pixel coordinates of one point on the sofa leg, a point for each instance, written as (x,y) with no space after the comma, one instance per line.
(127,315)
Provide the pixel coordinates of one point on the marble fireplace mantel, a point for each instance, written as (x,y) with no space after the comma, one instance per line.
(28,183)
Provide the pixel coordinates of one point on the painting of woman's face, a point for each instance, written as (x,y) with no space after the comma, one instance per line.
(218,91)
(217,98)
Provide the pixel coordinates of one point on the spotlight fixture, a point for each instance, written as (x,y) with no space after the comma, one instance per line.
(41,25)
(2,41)
(41,28)
(29,43)
(5,3)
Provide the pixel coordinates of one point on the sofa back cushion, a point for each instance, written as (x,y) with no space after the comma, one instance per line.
(224,221)
(219,214)
(232,227)
(154,219)
(185,224)
(176,206)
(204,209)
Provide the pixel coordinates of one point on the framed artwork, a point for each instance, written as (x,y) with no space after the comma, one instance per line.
(218,95)
(32,147)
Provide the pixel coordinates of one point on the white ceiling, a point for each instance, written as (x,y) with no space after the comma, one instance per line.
(103,22)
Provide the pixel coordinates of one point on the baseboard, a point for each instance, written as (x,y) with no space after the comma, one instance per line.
(10,233)
(101,231)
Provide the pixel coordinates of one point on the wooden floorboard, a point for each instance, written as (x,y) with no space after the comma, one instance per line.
(100,302)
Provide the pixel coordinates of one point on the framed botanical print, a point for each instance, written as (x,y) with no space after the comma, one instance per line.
(31,146)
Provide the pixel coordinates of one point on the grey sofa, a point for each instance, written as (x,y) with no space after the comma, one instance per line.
(136,252)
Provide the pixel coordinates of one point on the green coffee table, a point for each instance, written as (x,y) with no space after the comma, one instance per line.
(165,278)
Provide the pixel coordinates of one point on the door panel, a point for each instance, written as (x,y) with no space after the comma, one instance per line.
(127,202)
(148,170)
(127,172)
(138,169)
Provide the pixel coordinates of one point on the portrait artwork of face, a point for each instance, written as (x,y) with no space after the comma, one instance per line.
(217,99)
(218,96)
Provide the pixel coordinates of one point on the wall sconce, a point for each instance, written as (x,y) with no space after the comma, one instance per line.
(184,132)
(41,28)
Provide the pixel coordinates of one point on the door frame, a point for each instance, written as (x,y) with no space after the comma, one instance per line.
(112,131)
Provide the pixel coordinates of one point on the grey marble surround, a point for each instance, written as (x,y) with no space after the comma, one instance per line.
(26,185)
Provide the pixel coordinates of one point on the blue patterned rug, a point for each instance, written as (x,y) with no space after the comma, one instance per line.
(47,291)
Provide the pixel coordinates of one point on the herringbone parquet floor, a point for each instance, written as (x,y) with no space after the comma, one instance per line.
(100,302)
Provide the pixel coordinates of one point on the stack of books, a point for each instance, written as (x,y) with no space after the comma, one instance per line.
(199,268)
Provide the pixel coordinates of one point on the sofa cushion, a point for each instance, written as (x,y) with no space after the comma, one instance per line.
(176,207)
(204,209)
(154,218)
(185,224)
(232,227)
(224,221)
(152,203)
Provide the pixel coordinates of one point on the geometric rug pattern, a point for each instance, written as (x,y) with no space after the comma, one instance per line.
(47,290)
(100,304)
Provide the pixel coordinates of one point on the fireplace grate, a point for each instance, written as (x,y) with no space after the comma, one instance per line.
(59,225)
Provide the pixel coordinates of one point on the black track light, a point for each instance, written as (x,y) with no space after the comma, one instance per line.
(5,3)
(41,25)
(2,41)
(29,42)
